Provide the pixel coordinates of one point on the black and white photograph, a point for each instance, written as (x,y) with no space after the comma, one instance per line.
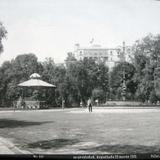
(80,79)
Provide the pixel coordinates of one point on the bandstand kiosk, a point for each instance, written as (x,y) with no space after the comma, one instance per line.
(34,83)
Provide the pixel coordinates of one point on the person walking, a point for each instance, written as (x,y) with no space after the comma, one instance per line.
(89,103)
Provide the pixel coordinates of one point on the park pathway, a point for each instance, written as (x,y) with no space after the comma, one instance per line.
(7,147)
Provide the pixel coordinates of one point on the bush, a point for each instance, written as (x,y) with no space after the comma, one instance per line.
(153,98)
(99,94)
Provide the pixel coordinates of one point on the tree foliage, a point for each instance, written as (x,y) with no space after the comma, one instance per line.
(116,81)
(74,82)
(15,71)
(77,80)
(3,33)
(146,61)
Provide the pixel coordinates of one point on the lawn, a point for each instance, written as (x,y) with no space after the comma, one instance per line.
(78,131)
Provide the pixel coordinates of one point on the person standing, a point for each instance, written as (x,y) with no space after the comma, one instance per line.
(81,104)
(89,103)
(63,103)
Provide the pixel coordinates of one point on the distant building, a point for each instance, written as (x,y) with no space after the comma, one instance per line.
(111,56)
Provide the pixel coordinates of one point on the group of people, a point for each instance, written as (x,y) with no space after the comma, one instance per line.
(89,104)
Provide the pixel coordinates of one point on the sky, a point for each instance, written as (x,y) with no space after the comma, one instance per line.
(50,28)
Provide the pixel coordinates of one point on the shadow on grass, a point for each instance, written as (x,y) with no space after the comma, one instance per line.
(124,149)
(55,143)
(11,123)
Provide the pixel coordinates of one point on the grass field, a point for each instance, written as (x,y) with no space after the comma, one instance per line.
(78,131)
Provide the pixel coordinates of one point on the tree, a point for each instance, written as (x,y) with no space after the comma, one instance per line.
(86,75)
(15,71)
(55,74)
(146,59)
(116,80)
(26,64)
(5,72)
(70,58)
(103,78)
(157,82)
(3,33)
